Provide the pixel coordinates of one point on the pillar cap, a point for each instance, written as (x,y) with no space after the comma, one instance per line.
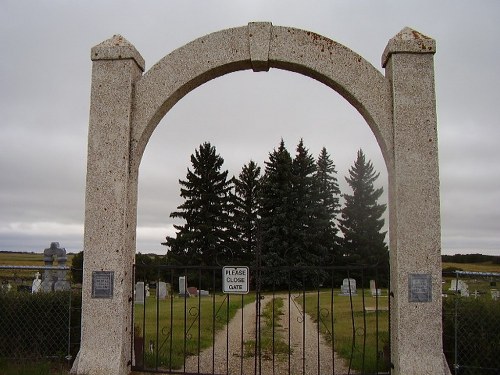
(117,48)
(408,41)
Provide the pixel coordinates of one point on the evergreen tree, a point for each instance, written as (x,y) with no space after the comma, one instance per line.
(306,250)
(276,215)
(246,208)
(361,221)
(207,209)
(327,207)
(304,247)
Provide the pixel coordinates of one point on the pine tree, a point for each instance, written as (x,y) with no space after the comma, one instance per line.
(327,207)
(207,210)
(361,221)
(246,208)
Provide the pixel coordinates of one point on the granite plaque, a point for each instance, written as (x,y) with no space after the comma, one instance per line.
(420,287)
(102,284)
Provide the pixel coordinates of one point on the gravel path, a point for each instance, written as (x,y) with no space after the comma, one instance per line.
(300,362)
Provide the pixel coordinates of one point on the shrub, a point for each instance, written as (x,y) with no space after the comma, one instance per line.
(476,323)
(36,326)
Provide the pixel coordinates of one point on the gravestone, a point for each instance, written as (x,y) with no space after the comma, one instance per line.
(373,289)
(146,288)
(203,293)
(495,294)
(348,288)
(55,280)
(183,286)
(459,286)
(37,283)
(161,290)
(192,291)
(139,292)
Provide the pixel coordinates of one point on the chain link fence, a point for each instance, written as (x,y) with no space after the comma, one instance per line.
(39,317)
(471,322)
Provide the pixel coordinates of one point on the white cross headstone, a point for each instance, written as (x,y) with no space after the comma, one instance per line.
(37,283)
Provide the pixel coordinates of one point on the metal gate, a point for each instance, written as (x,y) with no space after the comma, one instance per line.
(293,320)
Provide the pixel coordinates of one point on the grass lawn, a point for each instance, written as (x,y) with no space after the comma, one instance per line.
(348,325)
(185,326)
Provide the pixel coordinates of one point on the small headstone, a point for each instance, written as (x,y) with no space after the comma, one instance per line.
(37,283)
(183,286)
(139,292)
(146,288)
(459,286)
(161,290)
(495,294)
(373,289)
(348,287)
(192,291)
(203,293)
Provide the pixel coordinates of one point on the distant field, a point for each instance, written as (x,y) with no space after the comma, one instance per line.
(25,259)
(30,259)
(474,267)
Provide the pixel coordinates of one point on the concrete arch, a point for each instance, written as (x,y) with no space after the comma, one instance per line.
(400,108)
(260,46)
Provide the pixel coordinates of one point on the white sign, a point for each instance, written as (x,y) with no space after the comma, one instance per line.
(235,280)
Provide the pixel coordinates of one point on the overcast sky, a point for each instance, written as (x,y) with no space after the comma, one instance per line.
(45,76)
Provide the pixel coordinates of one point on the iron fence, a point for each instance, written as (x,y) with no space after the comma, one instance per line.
(471,322)
(311,320)
(39,317)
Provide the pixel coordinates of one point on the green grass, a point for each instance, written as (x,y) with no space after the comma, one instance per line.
(348,329)
(185,326)
(272,341)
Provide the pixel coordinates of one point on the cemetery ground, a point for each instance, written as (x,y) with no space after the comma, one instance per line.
(196,324)
(314,301)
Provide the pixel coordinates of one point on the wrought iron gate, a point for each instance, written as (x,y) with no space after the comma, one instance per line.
(314,321)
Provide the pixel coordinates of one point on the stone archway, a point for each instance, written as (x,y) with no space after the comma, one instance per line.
(126,107)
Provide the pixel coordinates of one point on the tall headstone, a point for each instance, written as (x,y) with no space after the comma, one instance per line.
(183,286)
(139,292)
(161,290)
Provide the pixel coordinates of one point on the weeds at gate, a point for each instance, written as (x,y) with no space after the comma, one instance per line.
(271,333)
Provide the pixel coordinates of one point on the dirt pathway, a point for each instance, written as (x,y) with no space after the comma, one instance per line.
(303,335)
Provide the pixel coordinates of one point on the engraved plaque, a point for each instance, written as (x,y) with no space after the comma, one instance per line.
(420,287)
(102,284)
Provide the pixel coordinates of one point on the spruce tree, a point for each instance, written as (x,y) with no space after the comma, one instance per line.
(276,215)
(306,250)
(206,234)
(304,196)
(361,221)
(327,207)
(246,209)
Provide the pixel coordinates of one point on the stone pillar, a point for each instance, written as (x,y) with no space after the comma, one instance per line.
(415,232)
(108,248)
